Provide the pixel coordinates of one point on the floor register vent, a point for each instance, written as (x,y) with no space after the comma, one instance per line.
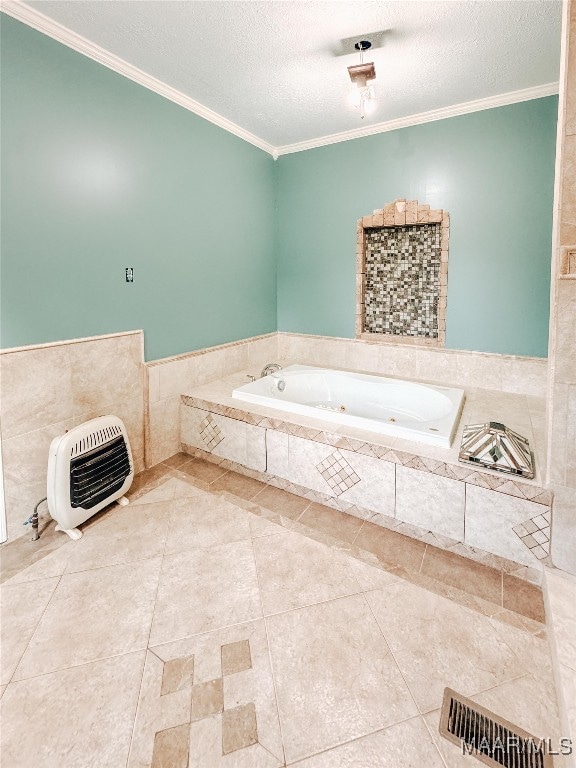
(488,737)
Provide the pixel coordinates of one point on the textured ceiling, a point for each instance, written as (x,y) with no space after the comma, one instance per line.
(277,69)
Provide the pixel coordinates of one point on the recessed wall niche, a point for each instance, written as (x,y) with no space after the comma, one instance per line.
(402,274)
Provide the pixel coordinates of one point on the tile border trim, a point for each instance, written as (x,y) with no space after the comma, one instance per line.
(504,485)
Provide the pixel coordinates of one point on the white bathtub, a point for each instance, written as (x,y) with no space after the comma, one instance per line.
(420,412)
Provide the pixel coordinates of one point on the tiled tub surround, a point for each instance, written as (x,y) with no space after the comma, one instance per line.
(422,490)
(49,388)
(294,650)
(450,367)
(402,274)
(167,378)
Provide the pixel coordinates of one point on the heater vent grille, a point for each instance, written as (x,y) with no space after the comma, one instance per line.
(94,439)
(98,473)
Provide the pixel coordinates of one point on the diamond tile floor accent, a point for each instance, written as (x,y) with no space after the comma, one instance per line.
(295,641)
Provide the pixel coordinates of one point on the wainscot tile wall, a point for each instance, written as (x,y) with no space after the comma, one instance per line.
(168,378)
(50,388)
(457,368)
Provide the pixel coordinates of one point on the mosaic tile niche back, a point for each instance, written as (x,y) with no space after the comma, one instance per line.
(402,280)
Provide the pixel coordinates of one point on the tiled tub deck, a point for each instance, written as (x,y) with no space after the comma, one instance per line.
(414,488)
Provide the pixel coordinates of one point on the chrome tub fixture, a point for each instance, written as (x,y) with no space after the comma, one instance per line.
(270,368)
(494,446)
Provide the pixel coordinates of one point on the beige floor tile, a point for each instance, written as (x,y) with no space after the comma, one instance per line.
(21,553)
(171,747)
(335,677)
(176,461)
(370,576)
(390,547)
(236,657)
(405,745)
(205,589)
(164,492)
(206,749)
(54,564)
(204,521)
(239,728)
(207,699)
(294,571)
(203,470)
(337,524)
(186,487)
(437,643)
(126,536)
(149,480)
(92,615)
(22,606)
(178,674)
(526,702)
(522,597)
(73,718)
(238,485)
(463,573)
(286,504)
(261,526)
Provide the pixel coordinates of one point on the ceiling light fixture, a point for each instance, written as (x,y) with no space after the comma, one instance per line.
(363,96)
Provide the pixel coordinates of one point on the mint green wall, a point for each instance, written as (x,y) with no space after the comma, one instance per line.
(99,174)
(493,171)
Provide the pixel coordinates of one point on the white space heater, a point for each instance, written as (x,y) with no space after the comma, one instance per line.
(88,468)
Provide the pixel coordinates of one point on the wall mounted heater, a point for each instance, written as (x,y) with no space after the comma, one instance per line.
(88,468)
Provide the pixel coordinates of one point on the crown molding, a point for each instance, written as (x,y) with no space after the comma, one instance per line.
(501,100)
(66,36)
(33,18)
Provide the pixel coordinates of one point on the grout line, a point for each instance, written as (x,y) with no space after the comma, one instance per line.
(34,631)
(423,556)
(77,666)
(320,602)
(444,762)
(327,750)
(353,542)
(269,652)
(391,653)
(168,526)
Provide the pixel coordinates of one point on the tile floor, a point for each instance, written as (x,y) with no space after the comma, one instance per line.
(217,621)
